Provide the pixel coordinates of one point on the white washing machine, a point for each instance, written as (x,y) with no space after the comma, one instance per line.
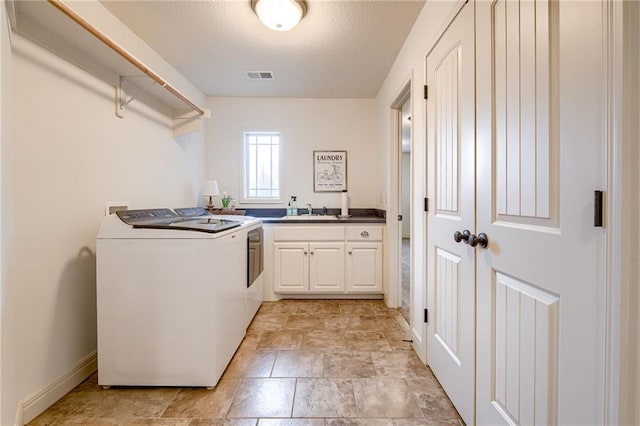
(173,295)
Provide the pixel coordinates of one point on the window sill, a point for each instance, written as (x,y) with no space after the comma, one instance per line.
(261,201)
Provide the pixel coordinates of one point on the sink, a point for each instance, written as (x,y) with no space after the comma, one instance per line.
(310,217)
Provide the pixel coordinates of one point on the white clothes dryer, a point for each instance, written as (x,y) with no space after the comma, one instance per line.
(172,297)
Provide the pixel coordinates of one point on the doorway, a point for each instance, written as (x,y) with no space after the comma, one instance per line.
(401,154)
(404,208)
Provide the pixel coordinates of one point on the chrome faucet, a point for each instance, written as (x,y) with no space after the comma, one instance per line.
(309,208)
(324,210)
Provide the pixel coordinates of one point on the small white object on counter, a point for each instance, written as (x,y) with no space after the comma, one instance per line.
(344,211)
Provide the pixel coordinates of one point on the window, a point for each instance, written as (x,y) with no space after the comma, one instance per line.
(262,174)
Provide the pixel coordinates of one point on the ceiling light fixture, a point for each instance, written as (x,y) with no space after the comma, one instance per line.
(279,15)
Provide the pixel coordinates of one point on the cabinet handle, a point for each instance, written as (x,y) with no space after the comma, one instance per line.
(349,252)
(305,253)
(312,253)
(364,234)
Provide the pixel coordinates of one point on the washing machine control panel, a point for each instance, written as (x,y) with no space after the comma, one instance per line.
(191,211)
(134,217)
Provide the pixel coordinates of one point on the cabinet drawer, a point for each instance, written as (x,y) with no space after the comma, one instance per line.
(308,233)
(364,233)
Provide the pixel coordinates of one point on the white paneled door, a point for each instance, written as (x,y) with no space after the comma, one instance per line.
(540,124)
(451,161)
(515,128)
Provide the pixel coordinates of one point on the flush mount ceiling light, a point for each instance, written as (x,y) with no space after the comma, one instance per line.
(279,15)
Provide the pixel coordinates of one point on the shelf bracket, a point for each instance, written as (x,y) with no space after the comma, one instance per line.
(121,94)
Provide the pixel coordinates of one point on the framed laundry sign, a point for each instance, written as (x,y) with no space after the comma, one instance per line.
(329,171)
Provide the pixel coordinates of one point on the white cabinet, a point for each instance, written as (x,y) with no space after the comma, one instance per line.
(327,259)
(309,267)
(326,267)
(291,267)
(364,259)
(364,267)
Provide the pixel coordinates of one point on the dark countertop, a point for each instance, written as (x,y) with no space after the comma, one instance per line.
(341,221)
(356,216)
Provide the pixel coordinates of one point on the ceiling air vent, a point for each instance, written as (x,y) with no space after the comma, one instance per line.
(259,75)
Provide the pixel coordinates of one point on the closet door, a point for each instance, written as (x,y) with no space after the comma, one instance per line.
(540,98)
(451,162)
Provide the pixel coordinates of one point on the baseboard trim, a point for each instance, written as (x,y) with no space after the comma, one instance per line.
(36,403)
(418,345)
(329,296)
(19,415)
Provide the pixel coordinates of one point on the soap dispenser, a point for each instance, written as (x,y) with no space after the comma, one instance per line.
(294,205)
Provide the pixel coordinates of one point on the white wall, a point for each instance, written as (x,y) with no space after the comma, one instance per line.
(64,154)
(305,125)
(409,65)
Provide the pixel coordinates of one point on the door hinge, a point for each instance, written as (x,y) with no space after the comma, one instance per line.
(426,92)
(400,217)
(426,204)
(598,201)
(426,315)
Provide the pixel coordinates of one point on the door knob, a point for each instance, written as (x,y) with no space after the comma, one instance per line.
(462,236)
(481,240)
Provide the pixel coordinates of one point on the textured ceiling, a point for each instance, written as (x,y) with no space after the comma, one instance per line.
(340,49)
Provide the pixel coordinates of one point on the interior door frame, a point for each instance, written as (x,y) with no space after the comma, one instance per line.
(396,106)
(613,146)
(407,89)
(620,221)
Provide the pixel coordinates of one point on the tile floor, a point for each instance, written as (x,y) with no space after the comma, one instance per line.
(302,363)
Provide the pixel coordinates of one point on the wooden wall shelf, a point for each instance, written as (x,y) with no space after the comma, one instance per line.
(59,28)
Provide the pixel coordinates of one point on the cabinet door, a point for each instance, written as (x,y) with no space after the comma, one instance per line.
(364,267)
(326,267)
(291,267)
